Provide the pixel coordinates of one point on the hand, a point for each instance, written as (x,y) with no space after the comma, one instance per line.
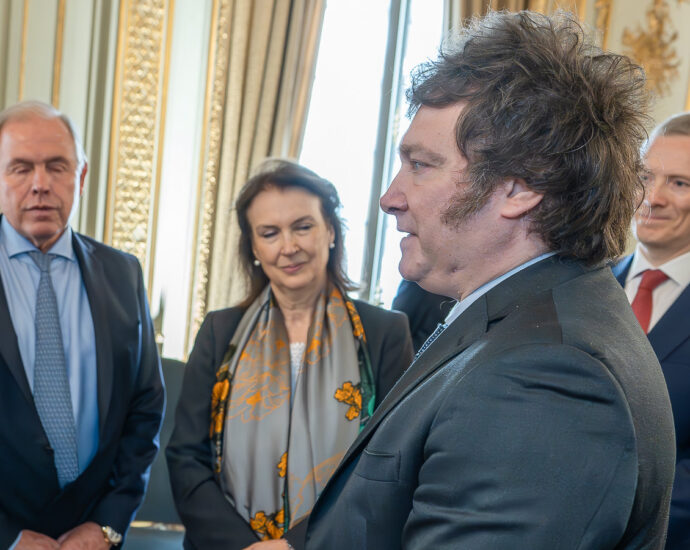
(278,544)
(31,540)
(87,536)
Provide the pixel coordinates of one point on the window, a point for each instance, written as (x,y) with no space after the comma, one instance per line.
(357,116)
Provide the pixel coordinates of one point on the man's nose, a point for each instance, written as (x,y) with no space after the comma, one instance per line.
(393,200)
(655,192)
(40,182)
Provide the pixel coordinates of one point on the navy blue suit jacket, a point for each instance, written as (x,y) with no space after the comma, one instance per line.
(130,406)
(670,339)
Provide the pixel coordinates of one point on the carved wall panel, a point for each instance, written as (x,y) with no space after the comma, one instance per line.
(137,127)
(653,46)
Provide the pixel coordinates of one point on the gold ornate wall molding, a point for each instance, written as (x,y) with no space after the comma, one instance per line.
(652,47)
(207,184)
(138,123)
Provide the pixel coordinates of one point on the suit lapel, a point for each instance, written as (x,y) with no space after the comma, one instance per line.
(93,276)
(469,327)
(672,328)
(621,269)
(9,347)
(463,332)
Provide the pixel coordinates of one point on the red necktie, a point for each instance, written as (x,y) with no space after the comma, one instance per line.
(642,304)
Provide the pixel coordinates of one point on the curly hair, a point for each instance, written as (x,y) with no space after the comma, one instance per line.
(544,104)
(282,174)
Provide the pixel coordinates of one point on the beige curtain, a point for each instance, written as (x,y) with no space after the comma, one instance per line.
(458,10)
(271,63)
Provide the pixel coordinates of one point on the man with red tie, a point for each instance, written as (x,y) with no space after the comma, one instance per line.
(656,280)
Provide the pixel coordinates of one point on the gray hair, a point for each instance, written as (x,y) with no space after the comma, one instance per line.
(676,125)
(27,109)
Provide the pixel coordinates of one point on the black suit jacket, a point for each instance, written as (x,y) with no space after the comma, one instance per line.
(211,521)
(130,405)
(670,339)
(539,419)
(424,310)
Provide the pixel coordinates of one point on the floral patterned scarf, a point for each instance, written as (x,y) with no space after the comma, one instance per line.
(272,460)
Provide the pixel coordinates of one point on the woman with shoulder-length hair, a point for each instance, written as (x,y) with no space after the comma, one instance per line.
(277,388)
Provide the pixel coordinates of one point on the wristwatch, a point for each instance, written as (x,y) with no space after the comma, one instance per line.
(111,536)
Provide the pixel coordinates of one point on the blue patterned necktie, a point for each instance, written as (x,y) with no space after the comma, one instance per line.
(439,329)
(51,385)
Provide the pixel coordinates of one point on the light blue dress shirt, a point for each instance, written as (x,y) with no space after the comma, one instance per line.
(20,276)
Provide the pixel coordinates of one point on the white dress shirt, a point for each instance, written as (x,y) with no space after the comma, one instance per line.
(678,272)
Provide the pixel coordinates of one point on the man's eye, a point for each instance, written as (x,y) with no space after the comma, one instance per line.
(57,167)
(416,165)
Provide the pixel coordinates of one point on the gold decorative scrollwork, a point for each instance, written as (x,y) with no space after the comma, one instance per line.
(653,47)
(216,84)
(138,120)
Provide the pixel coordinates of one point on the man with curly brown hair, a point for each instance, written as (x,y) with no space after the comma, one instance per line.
(537,416)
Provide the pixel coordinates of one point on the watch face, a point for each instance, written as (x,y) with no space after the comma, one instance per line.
(112,536)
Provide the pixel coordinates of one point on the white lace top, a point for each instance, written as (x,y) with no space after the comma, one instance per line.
(296,353)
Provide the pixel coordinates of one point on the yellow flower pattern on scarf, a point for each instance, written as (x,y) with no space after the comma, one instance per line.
(357,328)
(282,465)
(350,395)
(219,396)
(256,392)
(270,526)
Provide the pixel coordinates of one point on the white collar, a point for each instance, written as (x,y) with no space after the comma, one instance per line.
(677,269)
(463,304)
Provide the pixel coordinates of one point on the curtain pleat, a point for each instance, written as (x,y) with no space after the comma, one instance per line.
(458,10)
(270,73)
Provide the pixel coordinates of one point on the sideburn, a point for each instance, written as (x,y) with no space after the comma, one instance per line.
(466,202)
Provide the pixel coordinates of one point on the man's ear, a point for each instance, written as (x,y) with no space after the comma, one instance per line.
(82,178)
(519,199)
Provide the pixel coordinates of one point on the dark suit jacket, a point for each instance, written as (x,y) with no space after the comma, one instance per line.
(130,405)
(539,419)
(424,310)
(670,339)
(210,519)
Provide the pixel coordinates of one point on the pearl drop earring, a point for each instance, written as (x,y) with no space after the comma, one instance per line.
(331,246)
(257,263)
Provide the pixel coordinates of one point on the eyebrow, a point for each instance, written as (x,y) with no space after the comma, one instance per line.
(19,160)
(303,219)
(407,150)
(667,176)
